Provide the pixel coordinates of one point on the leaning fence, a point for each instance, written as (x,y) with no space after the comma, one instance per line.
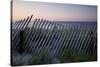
(53,39)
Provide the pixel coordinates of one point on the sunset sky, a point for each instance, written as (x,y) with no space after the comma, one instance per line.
(54,11)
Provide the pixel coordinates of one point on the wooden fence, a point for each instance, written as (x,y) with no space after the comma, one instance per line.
(53,39)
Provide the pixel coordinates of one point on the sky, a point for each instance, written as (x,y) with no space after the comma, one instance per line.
(54,11)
